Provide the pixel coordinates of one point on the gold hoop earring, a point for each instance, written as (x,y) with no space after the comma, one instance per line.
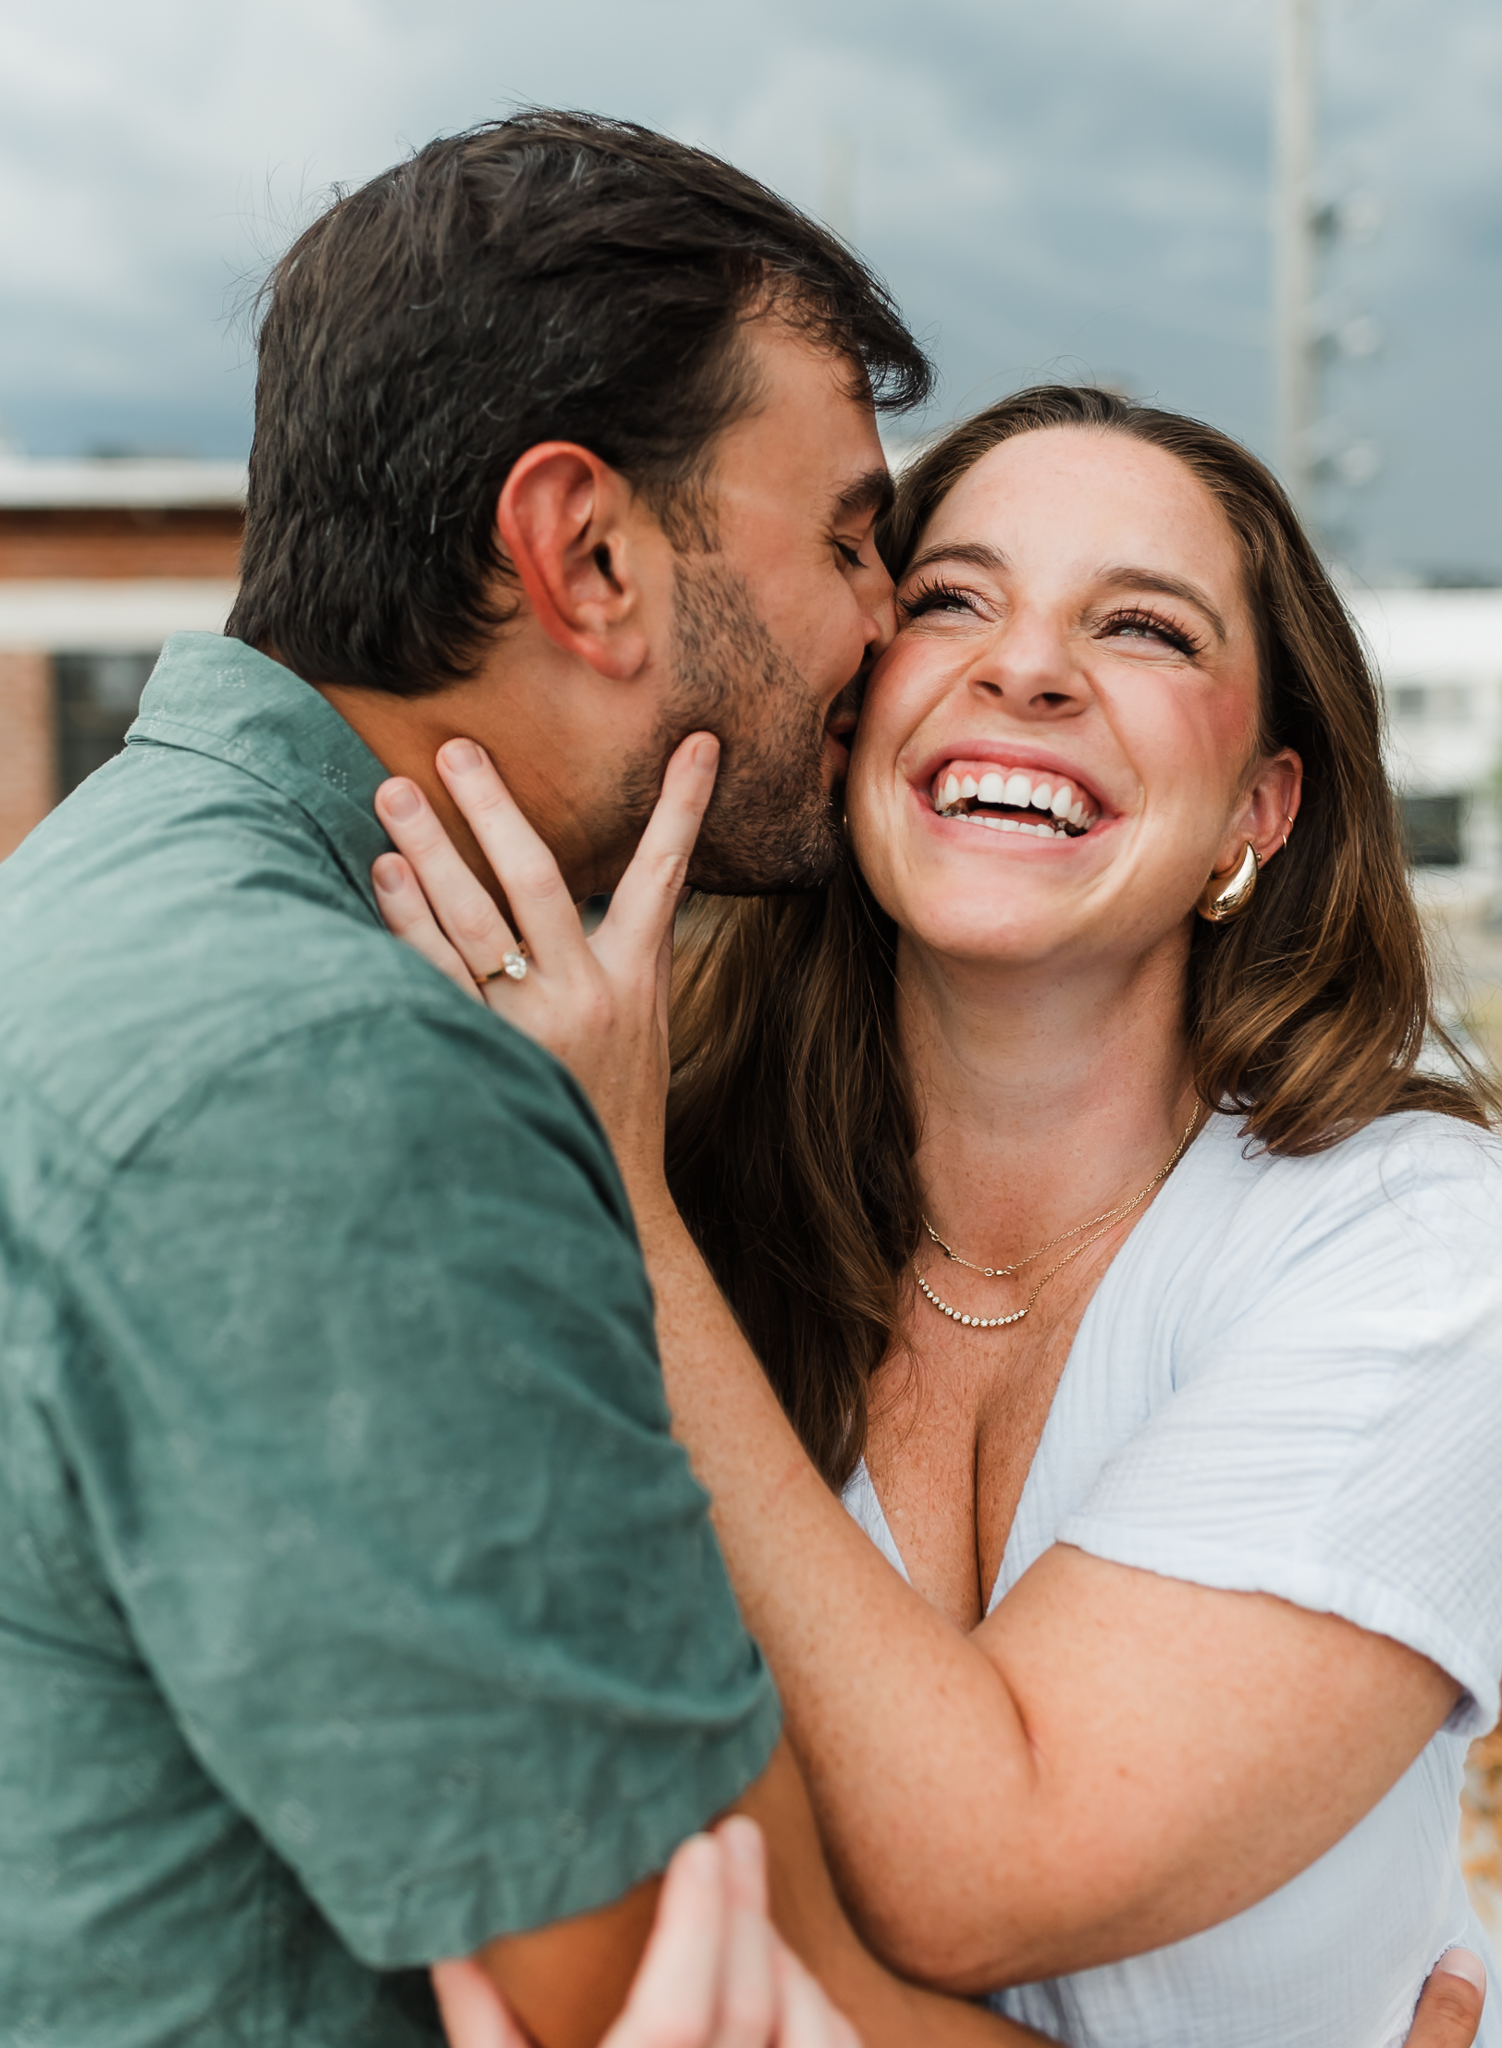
(1221,900)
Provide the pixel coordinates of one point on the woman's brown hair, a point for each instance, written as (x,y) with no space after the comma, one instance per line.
(791,1124)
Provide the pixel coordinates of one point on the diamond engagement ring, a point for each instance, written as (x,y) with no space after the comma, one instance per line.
(513,966)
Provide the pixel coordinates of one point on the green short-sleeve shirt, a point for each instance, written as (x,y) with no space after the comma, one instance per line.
(356,1605)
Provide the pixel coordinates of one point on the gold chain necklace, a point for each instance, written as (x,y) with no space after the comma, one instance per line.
(1097,1225)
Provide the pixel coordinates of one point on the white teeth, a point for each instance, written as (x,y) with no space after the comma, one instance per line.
(1017,790)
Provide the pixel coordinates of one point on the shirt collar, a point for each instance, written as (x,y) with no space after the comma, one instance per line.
(216,696)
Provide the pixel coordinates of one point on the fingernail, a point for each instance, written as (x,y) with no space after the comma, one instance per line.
(387,875)
(1459,1962)
(400,800)
(699,1856)
(742,1839)
(463,756)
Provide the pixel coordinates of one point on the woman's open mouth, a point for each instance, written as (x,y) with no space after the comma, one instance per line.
(1032,800)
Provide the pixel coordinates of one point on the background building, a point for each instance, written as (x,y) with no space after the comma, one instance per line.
(1440,656)
(99,562)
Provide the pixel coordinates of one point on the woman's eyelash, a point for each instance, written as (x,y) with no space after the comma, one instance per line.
(1150,622)
(930,594)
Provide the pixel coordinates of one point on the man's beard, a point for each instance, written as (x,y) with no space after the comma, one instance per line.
(771,824)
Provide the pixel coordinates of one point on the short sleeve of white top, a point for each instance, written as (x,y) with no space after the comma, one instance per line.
(1321,1360)
(1290,1382)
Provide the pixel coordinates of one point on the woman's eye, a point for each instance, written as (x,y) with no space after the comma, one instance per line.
(935,597)
(1138,625)
(849,555)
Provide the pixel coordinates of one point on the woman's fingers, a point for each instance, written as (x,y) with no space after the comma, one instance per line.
(474,2013)
(408,916)
(714,1974)
(748,1993)
(806,2019)
(642,907)
(1450,2010)
(468,915)
(522,862)
(675,1996)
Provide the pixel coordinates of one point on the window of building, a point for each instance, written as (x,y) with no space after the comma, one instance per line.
(1445,703)
(97,699)
(1434,827)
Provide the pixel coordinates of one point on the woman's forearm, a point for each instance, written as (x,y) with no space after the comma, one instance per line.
(861,1661)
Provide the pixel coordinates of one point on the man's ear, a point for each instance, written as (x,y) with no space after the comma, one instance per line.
(581,545)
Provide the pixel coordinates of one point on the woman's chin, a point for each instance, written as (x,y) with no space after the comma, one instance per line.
(1001,935)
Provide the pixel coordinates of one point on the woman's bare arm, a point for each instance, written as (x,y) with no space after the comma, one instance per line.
(1113,1760)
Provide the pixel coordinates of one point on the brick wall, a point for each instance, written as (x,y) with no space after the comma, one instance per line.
(88,542)
(28,771)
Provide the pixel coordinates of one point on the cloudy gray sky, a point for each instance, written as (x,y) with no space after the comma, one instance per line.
(1077,187)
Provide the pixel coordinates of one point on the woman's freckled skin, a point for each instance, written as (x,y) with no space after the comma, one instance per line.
(1055,650)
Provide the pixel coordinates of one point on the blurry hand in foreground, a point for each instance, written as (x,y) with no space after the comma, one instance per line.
(715,1974)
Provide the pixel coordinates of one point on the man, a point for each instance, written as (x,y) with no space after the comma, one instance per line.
(356,1608)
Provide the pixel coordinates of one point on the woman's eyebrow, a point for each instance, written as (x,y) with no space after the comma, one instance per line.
(972,552)
(1168,586)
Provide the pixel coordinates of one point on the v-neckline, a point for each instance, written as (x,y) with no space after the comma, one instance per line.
(880,1529)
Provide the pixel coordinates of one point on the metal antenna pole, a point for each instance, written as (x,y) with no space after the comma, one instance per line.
(1295,350)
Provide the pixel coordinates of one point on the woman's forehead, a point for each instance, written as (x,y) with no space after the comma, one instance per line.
(1093,491)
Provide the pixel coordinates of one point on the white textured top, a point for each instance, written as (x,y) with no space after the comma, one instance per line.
(1290,1381)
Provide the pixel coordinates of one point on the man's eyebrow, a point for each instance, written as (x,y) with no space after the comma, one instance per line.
(974,553)
(869,494)
(1169,586)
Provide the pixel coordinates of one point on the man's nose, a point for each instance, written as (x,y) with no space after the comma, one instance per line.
(880,607)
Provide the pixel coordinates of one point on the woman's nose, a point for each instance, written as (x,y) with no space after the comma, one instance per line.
(1028,666)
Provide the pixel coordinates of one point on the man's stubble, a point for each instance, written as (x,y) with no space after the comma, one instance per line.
(771,824)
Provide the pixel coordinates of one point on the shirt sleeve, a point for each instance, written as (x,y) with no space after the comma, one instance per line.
(1334,1433)
(376,1449)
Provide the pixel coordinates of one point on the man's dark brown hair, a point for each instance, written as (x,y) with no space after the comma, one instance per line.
(555,276)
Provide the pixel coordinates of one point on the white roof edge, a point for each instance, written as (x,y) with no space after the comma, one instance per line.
(159,481)
(1423,597)
(55,615)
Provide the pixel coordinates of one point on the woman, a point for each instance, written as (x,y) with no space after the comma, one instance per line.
(1107,1248)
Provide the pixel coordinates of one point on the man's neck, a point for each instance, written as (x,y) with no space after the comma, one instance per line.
(1044,1094)
(405,733)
